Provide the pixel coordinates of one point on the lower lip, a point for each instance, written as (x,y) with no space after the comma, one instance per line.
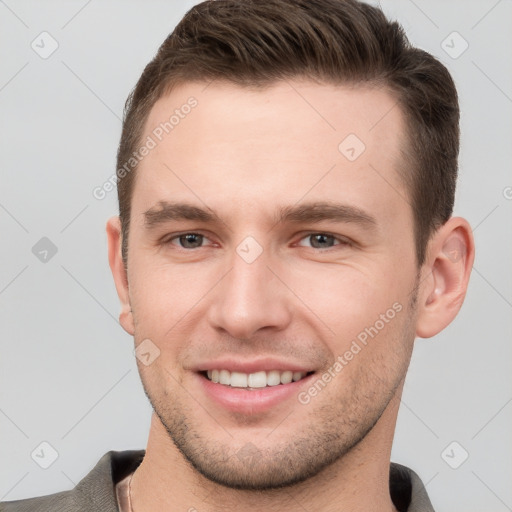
(251,401)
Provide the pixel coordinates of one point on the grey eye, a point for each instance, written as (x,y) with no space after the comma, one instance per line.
(321,241)
(191,240)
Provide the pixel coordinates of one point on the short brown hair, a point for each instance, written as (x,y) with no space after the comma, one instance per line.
(259,42)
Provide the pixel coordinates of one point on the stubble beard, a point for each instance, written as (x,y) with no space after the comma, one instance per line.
(331,431)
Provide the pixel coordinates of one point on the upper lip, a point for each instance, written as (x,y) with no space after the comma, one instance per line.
(252,366)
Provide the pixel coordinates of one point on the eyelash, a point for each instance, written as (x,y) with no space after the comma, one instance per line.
(341,241)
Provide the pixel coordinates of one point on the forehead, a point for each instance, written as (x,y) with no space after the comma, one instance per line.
(232,146)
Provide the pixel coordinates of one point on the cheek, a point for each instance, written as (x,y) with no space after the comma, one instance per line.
(163,294)
(348,299)
(338,300)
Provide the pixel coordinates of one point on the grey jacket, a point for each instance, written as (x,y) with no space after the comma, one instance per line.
(96,491)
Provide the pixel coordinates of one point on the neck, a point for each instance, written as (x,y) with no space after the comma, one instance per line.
(357,482)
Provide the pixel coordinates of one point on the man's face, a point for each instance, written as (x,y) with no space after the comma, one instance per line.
(302,258)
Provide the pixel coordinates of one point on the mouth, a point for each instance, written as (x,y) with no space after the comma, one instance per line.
(254,381)
(252,387)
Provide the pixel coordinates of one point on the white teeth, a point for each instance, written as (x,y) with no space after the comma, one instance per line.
(286,377)
(296,376)
(224,377)
(238,380)
(273,378)
(259,379)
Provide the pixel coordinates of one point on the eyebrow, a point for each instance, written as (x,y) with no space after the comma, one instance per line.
(320,211)
(312,212)
(167,211)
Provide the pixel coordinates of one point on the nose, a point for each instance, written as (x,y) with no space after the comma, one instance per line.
(250,298)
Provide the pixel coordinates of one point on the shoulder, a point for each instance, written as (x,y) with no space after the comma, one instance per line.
(61,502)
(95,492)
(407,490)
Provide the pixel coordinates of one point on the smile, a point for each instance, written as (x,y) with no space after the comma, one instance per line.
(256,380)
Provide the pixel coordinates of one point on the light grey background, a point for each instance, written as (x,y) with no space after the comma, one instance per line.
(68,375)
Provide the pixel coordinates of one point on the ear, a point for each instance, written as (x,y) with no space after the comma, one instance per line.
(445,276)
(114,238)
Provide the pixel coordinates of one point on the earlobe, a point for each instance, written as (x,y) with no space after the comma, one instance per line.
(446,272)
(119,274)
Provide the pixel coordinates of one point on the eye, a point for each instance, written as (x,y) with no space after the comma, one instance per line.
(188,240)
(321,241)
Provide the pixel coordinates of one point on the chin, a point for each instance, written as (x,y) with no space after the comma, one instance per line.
(253,467)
